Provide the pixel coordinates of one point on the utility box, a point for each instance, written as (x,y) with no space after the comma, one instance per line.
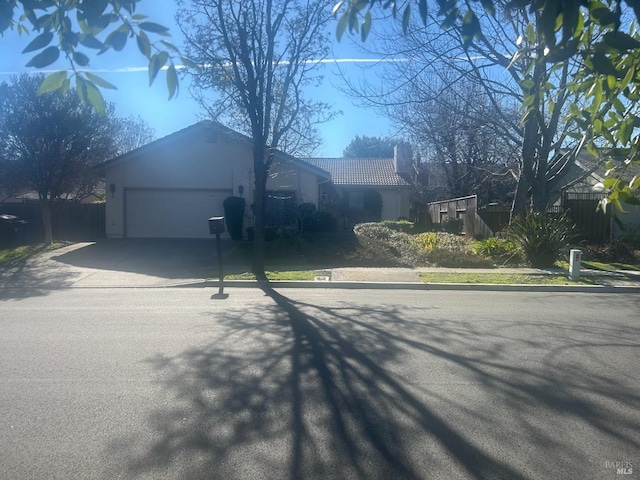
(575,257)
(216,225)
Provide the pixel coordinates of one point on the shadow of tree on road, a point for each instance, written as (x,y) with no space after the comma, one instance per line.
(18,282)
(301,391)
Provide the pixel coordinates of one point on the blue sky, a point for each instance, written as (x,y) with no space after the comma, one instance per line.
(134,96)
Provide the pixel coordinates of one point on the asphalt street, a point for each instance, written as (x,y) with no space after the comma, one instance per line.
(169,383)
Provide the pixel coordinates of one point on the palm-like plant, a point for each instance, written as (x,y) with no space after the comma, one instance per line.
(543,236)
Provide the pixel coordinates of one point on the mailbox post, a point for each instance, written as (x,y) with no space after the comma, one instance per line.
(216,225)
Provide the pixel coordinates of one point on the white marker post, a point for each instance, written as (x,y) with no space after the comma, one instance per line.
(575,257)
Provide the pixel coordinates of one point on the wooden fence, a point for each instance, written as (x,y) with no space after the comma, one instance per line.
(593,225)
(463,208)
(582,208)
(70,221)
(479,222)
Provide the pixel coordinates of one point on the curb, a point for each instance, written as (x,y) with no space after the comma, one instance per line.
(426,286)
(355,285)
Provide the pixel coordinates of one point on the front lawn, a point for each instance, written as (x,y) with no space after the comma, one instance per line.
(503,279)
(274,276)
(12,256)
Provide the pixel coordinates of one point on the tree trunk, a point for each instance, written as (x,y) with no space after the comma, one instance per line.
(539,196)
(259,209)
(46,221)
(519,205)
(540,190)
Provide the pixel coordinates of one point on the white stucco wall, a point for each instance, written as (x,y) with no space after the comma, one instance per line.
(395,202)
(189,162)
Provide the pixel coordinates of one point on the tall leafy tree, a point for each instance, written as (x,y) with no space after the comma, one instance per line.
(50,142)
(256,58)
(364,146)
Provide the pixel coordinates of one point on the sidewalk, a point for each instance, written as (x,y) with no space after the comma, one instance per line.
(409,278)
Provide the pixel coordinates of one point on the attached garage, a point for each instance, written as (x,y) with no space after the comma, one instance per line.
(171,213)
(170,187)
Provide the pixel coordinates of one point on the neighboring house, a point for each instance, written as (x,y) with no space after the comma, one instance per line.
(356,179)
(582,182)
(171,186)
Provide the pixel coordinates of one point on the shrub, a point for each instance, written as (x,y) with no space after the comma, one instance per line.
(443,257)
(306,216)
(398,243)
(448,250)
(373,230)
(361,216)
(429,240)
(631,235)
(404,226)
(273,234)
(615,251)
(312,221)
(496,247)
(431,248)
(325,222)
(543,236)
(452,225)
(234,216)
(500,249)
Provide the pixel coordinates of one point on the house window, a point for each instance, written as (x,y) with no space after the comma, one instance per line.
(280,208)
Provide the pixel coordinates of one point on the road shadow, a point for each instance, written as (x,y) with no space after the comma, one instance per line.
(299,391)
(18,281)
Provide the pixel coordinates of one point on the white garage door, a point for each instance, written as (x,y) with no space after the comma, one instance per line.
(152,213)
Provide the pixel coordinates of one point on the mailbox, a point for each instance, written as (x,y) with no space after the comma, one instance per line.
(216,225)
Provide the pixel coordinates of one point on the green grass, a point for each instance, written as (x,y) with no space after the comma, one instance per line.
(600,265)
(290,275)
(502,279)
(11,256)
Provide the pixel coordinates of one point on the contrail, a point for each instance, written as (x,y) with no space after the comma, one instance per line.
(180,67)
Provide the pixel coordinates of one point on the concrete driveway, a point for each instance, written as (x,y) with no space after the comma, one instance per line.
(118,263)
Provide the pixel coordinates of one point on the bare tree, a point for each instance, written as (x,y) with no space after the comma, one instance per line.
(257,55)
(429,61)
(453,129)
(132,132)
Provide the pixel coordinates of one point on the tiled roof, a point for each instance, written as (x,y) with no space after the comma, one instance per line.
(360,171)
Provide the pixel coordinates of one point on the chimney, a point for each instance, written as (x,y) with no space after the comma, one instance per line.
(402,160)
